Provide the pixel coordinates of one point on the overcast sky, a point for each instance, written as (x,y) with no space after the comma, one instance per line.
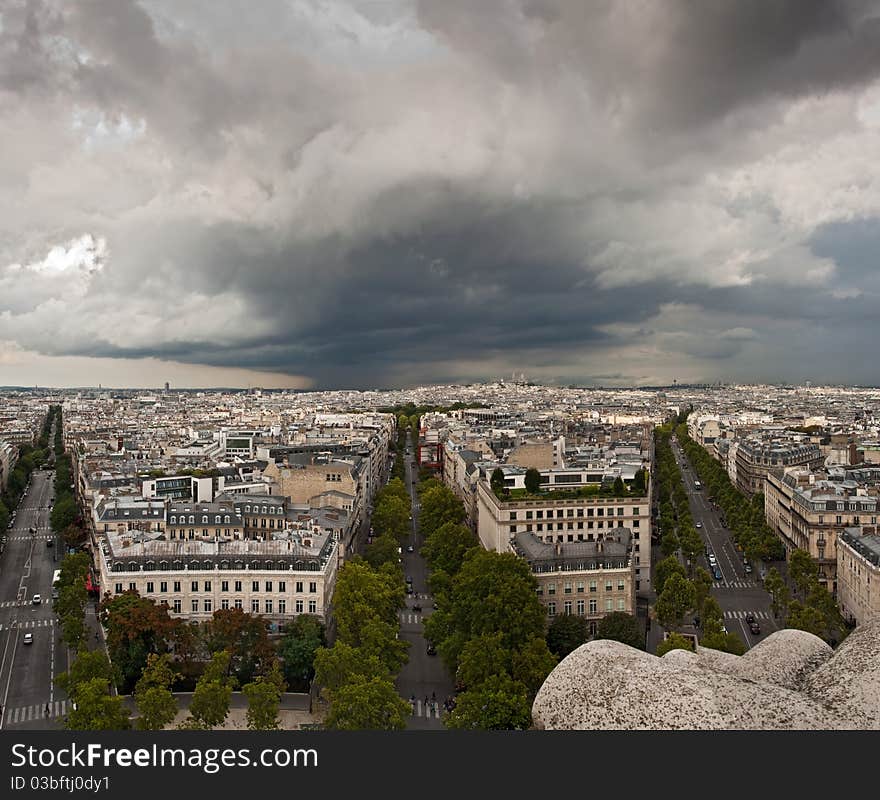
(383,193)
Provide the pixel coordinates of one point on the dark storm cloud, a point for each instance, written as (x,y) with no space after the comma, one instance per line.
(443,190)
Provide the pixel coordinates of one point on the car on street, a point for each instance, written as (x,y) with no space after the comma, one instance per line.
(747,568)
(431,650)
(712,560)
(28,638)
(754,627)
(699,524)
(410,549)
(49,542)
(417,608)
(409,588)
(750,618)
(36,600)
(716,573)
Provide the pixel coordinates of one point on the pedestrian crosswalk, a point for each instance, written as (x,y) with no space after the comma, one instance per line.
(422,709)
(28,538)
(39,711)
(744,614)
(29,623)
(16,603)
(734,584)
(410,618)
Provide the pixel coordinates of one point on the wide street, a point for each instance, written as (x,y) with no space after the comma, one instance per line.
(737,592)
(424,676)
(27,671)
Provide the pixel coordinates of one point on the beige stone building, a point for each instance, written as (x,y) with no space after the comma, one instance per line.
(758,457)
(808,510)
(858,574)
(558,521)
(585,578)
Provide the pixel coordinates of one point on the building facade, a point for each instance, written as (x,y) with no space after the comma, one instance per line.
(858,574)
(585,578)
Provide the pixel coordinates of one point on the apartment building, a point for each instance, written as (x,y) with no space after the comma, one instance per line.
(858,574)
(809,510)
(586,578)
(292,573)
(8,460)
(756,458)
(554,520)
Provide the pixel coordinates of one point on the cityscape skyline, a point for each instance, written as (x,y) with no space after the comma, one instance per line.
(317,195)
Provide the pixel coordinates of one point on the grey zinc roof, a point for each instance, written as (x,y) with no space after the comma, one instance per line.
(534,550)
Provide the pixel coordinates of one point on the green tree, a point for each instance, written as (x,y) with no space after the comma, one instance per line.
(264,700)
(245,637)
(532,663)
(566,634)
(778,589)
(714,638)
(439,506)
(96,709)
(64,513)
(640,485)
(302,638)
(665,569)
(497,480)
(675,641)
(86,666)
(136,627)
(702,581)
(668,543)
(337,666)
(803,571)
(391,517)
(498,703)
(621,627)
(678,596)
(5,516)
(153,696)
(367,704)
(619,487)
(446,548)
(383,550)
(210,701)
(481,658)
(804,617)
(363,594)
(533,481)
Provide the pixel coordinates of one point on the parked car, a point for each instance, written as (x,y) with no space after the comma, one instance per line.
(716,573)
(747,568)
(755,628)
(37,600)
(699,524)
(750,618)
(28,638)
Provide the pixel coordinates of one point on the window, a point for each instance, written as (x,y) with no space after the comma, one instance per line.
(539,515)
(529,515)
(313,587)
(590,512)
(513,528)
(118,588)
(619,512)
(566,606)
(592,586)
(176,586)
(195,606)
(636,511)
(255,586)
(299,606)
(621,605)
(194,586)
(600,512)
(268,586)
(132,587)
(299,586)
(580,608)
(224,586)
(149,587)
(551,609)
(204,519)
(207,586)
(566,587)
(620,585)
(580,587)
(607,586)
(238,603)
(609,605)
(176,605)
(313,607)
(513,515)
(173,520)
(163,586)
(570,513)
(224,604)
(551,588)
(282,586)
(238,586)
(207,605)
(268,606)
(282,606)
(838,520)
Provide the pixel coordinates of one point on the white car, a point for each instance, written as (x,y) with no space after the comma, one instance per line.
(699,524)
(37,600)
(28,638)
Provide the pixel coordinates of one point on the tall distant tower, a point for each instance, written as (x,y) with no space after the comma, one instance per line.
(167,386)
